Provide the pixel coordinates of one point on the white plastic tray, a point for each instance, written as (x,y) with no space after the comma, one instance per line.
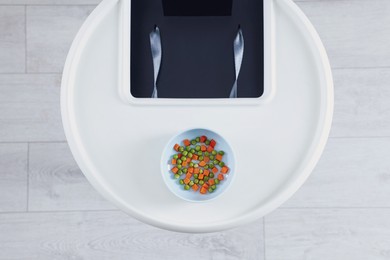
(118,144)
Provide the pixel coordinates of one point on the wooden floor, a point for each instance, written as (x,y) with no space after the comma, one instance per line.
(49,211)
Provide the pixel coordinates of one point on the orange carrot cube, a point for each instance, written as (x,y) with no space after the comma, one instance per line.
(202,163)
(186,142)
(195,187)
(224,169)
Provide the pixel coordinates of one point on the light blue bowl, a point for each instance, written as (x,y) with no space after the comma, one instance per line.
(173,184)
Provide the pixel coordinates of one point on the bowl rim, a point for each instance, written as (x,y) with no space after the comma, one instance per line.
(232,173)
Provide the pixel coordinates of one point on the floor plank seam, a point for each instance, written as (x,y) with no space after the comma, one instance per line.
(33,73)
(264,239)
(25,39)
(34,142)
(327,208)
(361,68)
(28,177)
(59,211)
(359,137)
(61,5)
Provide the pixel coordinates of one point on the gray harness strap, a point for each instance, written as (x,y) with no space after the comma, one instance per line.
(155,44)
(238,57)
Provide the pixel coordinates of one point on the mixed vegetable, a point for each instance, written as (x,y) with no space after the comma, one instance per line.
(198,166)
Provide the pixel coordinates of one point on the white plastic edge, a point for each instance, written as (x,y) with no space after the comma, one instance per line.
(87,168)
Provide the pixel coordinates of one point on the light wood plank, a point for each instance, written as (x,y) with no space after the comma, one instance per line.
(12,39)
(362,106)
(114,235)
(13,177)
(56,182)
(30,108)
(355,33)
(49,2)
(352,173)
(50,32)
(347,234)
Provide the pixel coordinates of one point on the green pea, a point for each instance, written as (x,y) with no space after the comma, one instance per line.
(206,167)
(180,172)
(212,157)
(191,164)
(175,156)
(181,149)
(205,178)
(201,182)
(214,187)
(185,153)
(197,139)
(211,175)
(179,166)
(196,176)
(193,142)
(207,142)
(197,148)
(221,152)
(215,161)
(184,170)
(188,148)
(206,153)
(196,165)
(196,181)
(200,171)
(221,164)
(211,165)
(177,176)
(179,161)
(183,158)
(191,183)
(216,181)
(187,187)
(181,182)
(201,158)
(190,155)
(211,190)
(193,151)
(214,152)
(200,153)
